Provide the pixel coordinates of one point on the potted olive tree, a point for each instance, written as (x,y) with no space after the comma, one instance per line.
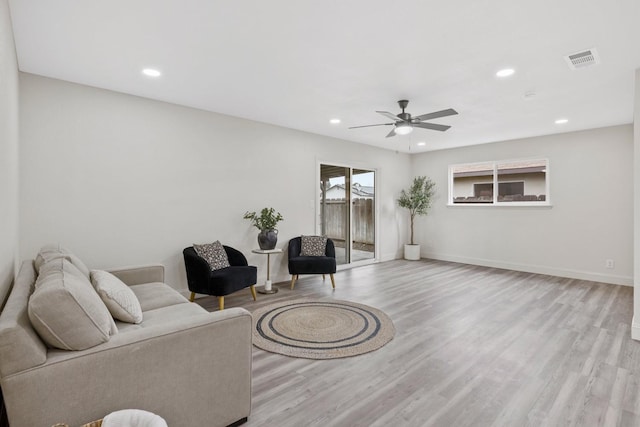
(266,222)
(418,200)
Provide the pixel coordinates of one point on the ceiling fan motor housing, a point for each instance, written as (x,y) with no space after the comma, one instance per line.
(404,116)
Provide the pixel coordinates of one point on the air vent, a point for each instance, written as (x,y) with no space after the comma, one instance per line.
(583,59)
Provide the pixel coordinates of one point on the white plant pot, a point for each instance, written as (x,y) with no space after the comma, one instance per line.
(412,252)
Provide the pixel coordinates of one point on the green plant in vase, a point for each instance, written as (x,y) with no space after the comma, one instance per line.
(266,222)
(417,199)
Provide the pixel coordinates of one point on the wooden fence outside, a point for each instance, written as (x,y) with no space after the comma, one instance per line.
(336,217)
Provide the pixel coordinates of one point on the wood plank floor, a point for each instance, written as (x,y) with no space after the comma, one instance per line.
(474,346)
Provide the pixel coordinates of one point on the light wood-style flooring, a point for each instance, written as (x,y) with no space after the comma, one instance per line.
(474,346)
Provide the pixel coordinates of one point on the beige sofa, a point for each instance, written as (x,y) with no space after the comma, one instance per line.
(191,367)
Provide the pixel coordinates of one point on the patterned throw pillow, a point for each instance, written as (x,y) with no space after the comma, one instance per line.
(214,254)
(313,246)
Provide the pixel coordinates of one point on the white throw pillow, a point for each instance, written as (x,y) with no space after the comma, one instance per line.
(117,296)
(133,418)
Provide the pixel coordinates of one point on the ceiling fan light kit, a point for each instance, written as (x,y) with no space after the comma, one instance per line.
(404,123)
(403,128)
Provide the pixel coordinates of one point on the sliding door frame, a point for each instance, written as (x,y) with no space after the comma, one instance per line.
(318,208)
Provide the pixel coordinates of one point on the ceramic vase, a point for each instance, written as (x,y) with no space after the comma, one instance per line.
(267,239)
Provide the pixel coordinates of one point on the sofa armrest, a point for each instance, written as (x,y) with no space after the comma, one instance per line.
(203,360)
(138,275)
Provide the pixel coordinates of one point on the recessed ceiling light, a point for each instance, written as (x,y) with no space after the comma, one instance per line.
(421,143)
(334,121)
(505,72)
(151,72)
(561,121)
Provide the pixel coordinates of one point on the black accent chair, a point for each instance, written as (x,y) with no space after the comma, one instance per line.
(311,264)
(203,280)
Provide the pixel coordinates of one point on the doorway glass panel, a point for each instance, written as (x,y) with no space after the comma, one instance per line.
(363,215)
(347,211)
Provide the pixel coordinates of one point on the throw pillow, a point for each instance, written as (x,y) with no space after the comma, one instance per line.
(313,245)
(50,252)
(117,296)
(214,254)
(66,311)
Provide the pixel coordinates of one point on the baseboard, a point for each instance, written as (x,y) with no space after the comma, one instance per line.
(538,269)
(187,293)
(635,329)
(390,256)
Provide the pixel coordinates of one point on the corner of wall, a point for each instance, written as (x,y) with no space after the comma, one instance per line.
(9,111)
(635,328)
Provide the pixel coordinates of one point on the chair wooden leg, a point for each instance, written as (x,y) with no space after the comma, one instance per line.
(252,288)
(192,298)
(221,303)
(323,277)
(293,280)
(333,282)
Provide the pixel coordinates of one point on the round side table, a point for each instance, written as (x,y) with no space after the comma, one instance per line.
(267,289)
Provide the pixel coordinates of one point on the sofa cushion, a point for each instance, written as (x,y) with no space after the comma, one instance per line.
(156,295)
(231,279)
(66,311)
(214,254)
(312,265)
(117,296)
(50,252)
(174,315)
(313,245)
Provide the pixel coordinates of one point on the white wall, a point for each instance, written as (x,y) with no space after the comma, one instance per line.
(124,180)
(8,152)
(591,220)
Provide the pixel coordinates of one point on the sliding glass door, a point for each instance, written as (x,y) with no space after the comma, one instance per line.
(363,230)
(347,211)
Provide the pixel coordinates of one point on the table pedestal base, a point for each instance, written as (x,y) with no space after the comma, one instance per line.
(267,289)
(263,290)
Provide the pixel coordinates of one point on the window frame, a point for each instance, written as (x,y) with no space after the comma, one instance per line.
(495,183)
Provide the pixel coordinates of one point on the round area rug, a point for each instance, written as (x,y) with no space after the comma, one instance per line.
(316,329)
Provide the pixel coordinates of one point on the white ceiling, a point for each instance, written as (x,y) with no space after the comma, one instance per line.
(299,63)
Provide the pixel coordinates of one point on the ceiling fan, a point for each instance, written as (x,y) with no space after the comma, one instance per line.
(403,123)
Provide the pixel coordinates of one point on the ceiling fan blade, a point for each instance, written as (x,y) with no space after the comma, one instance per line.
(368,126)
(435,115)
(392,133)
(389,115)
(431,126)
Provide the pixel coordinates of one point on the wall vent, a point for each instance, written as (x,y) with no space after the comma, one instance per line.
(583,59)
